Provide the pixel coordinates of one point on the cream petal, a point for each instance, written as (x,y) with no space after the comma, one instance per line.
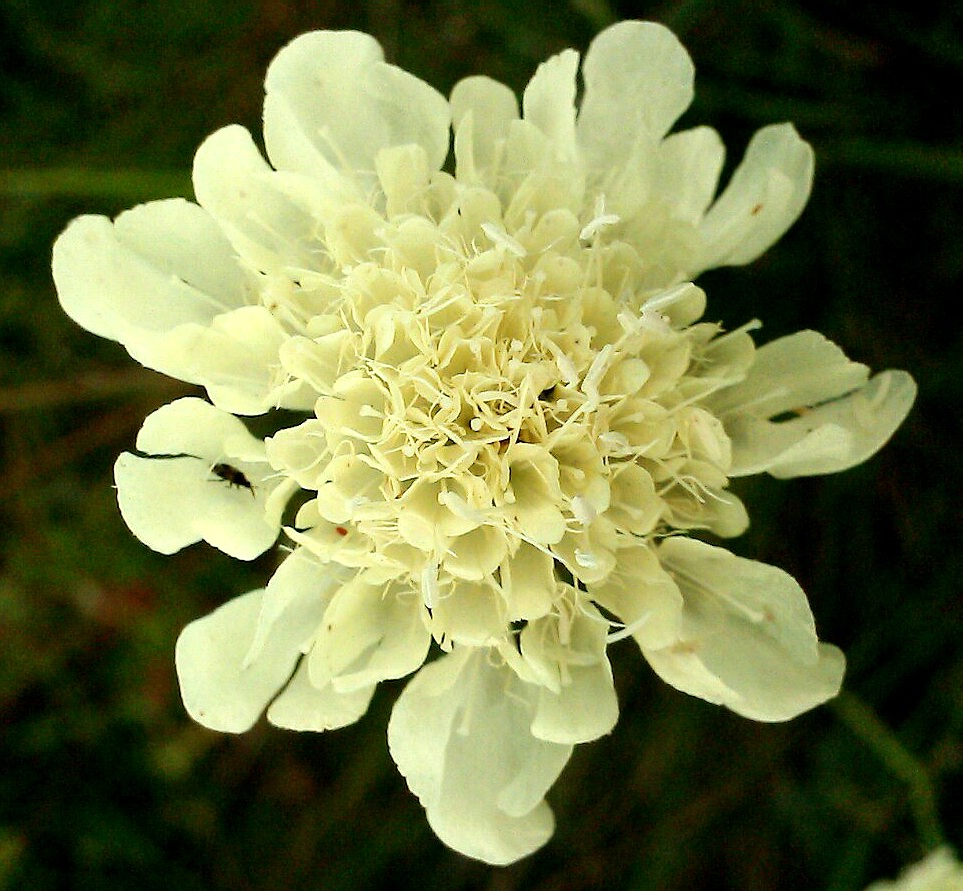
(369,634)
(689,164)
(765,196)
(549,102)
(475,555)
(580,704)
(332,104)
(938,871)
(405,179)
(235,359)
(482,110)
(528,580)
(786,449)
(638,80)
(301,584)
(584,709)
(302,706)
(460,736)
(238,188)
(219,690)
(172,313)
(173,497)
(725,515)
(643,596)
(832,437)
(233,662)
(471,612)
(748,639)
(157,267)
(194,426)
(792,373)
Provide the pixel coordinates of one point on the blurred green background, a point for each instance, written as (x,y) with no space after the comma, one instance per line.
(104,781)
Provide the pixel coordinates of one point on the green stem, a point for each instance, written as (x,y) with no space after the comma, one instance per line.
(902,763)
(135,185)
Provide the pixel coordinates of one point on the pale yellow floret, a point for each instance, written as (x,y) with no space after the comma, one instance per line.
(501,408)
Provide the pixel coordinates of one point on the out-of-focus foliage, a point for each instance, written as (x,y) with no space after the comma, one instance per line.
(105,782)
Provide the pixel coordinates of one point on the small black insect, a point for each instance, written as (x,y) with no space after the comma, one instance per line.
(232,476)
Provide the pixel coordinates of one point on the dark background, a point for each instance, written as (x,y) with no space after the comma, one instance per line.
(105,782)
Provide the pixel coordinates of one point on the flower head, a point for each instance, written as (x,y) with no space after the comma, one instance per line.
(511,415)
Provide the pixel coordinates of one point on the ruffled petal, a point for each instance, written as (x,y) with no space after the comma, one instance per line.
(235,358)
(832,437)
(748,639)
(766,195)
(460,735)
(332,104)
(369,634)
(301,587)
(193,487)
(482,111)
(232,663)
(577,702)
(219,690)
(303,706)
(643,596)
(937,871)
(528,582)
(792,373)
(549,102)
(237,187)
(157,267)
(689,164)
(638,80)
(469,612)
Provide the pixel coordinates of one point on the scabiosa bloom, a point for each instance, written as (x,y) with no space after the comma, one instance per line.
(508,416)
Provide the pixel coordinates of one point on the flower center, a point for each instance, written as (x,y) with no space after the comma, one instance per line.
(495,396)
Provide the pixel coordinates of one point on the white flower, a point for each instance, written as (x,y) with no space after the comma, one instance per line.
(511,413)
(938,871)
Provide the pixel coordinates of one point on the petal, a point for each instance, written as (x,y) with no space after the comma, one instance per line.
(236,359)
(579,703)
(218,689)
(301,586)
(470,612)
(238,188)
(765,196)
(157,267)
(370,633)
(832,437)
(192,425)
(643,596)
(165,282)
(528,581)
(174,497)
(233,662)
(938,871)
(638,80)
(689,165)
(549,102)
(482,110)
(790,373)
(475,555)
(748,639)
(302,706)
(460,735)
(332,104)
